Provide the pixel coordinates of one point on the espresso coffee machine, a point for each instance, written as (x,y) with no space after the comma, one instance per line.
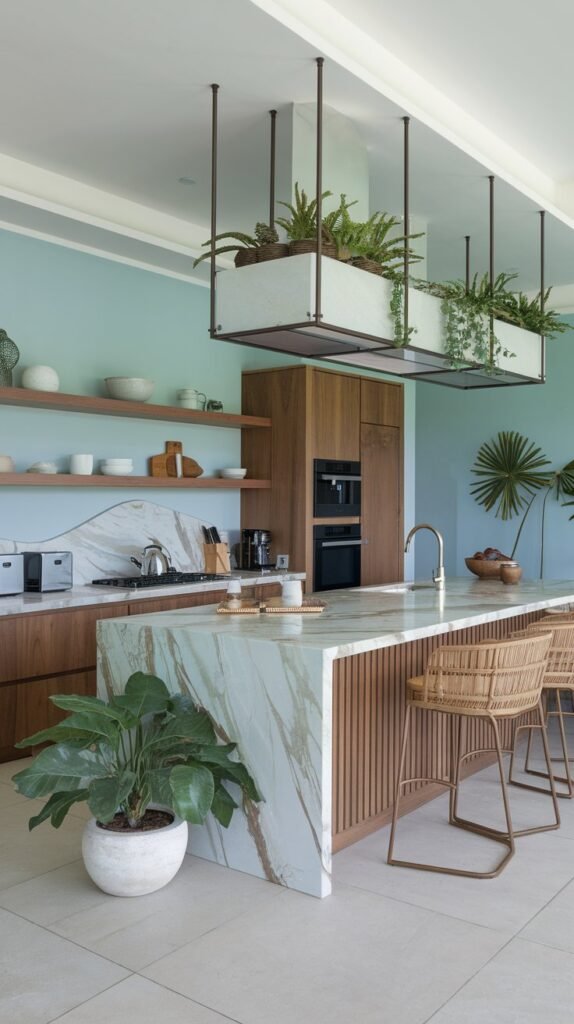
(255,550)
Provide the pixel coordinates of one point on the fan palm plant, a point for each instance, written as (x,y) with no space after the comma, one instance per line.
(511,474)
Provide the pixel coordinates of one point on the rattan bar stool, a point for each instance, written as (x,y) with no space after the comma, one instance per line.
(495,681)
(558,678)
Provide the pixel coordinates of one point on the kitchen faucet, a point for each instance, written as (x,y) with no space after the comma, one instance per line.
(438,575)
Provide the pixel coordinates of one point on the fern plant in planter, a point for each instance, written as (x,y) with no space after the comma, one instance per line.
(142,750)
(263,245)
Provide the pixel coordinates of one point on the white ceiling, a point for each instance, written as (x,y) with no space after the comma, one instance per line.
(115,98)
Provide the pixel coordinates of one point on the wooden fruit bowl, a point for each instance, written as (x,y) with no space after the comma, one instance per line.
(485,568)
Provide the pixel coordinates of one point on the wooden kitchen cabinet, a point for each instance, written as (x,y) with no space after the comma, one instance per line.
(381,403)
(324,414)
(25,708)
(55,652)
(336,399)
(381,504)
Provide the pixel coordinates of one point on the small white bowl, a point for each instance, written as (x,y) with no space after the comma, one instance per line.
(116,470)
(130,389)
(233,473)
(118,462)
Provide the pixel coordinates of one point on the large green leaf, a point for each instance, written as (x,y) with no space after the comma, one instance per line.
(237,772)
(57,734)
(106,795)
(193,726)
(159,787)
(144,695)
(510,471)
(57,807)
(91,705)
(63,767)
(80,726)
(216,754)
(193,789)
(223,805)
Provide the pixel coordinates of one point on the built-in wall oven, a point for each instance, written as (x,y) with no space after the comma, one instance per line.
(337,488)
(337,557)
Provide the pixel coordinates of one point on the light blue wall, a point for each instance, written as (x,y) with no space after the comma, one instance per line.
(450,427)
(90,318)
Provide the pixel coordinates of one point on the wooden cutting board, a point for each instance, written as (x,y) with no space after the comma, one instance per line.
(167,464)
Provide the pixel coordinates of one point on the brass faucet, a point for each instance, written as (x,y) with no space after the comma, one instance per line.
(438,574)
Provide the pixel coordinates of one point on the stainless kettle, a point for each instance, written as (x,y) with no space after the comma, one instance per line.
(154,561)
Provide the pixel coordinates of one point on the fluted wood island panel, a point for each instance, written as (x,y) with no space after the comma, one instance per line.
(315,704)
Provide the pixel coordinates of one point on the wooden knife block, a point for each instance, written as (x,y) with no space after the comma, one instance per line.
(216,557)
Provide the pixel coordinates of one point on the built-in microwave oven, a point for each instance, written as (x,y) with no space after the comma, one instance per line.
(337,488)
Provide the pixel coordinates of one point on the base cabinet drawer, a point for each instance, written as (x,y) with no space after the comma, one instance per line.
(25,708)
(50,642)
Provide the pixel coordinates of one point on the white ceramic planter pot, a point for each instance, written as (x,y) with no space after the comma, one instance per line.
(132,864)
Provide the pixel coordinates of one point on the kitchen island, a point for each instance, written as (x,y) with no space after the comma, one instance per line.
(315,703)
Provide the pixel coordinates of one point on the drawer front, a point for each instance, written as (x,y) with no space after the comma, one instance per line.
(51,642)
(25,707)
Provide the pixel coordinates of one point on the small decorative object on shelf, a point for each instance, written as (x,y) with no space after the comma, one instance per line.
(6,464)
(40,378)
(173,462)
(42,467)
(213,405)
(9,356)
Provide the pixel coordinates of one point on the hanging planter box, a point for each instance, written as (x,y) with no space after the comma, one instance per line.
(272,306)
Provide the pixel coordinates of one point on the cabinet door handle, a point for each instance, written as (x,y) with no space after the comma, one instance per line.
(339,543)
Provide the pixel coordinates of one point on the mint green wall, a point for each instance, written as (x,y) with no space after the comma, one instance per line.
(450,427)
(90,318)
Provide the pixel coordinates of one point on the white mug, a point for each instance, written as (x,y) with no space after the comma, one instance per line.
(292,593)
(81,465)
(6,464)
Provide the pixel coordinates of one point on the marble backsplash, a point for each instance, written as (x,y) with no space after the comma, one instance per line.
(102,546)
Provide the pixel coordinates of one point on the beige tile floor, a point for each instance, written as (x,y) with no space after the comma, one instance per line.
(390,946)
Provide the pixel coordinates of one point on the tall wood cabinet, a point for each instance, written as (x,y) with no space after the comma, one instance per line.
(323,414)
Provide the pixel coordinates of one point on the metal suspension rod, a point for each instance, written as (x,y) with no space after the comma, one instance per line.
(542,289)
(273,116)
(212,310)
(319,187)
(491,256)
(467,262)
(406,218)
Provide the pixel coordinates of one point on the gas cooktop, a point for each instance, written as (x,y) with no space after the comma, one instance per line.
(166,579)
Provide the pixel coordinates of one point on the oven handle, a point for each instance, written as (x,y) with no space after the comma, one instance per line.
(339,543)
(339,476)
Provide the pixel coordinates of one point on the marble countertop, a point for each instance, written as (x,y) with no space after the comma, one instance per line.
(80,597)
(365,619)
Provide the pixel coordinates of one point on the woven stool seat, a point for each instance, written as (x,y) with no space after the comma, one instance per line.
(558,677)
(493,680)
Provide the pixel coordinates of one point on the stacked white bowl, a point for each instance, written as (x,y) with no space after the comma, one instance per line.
(116,467)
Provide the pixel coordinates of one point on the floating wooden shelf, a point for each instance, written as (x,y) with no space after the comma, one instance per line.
(68,480)
(116,407)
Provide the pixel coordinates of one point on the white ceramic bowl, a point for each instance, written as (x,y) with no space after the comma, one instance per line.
(130,389)
(118,462)
(233,473)
(115,470)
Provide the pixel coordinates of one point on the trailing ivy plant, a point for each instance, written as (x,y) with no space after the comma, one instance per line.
(401,337)
(511,475)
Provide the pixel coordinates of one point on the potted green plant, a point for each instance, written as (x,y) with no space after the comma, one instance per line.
(263,245)
(511,473)
(301,226)
(147,762)
(377,250)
